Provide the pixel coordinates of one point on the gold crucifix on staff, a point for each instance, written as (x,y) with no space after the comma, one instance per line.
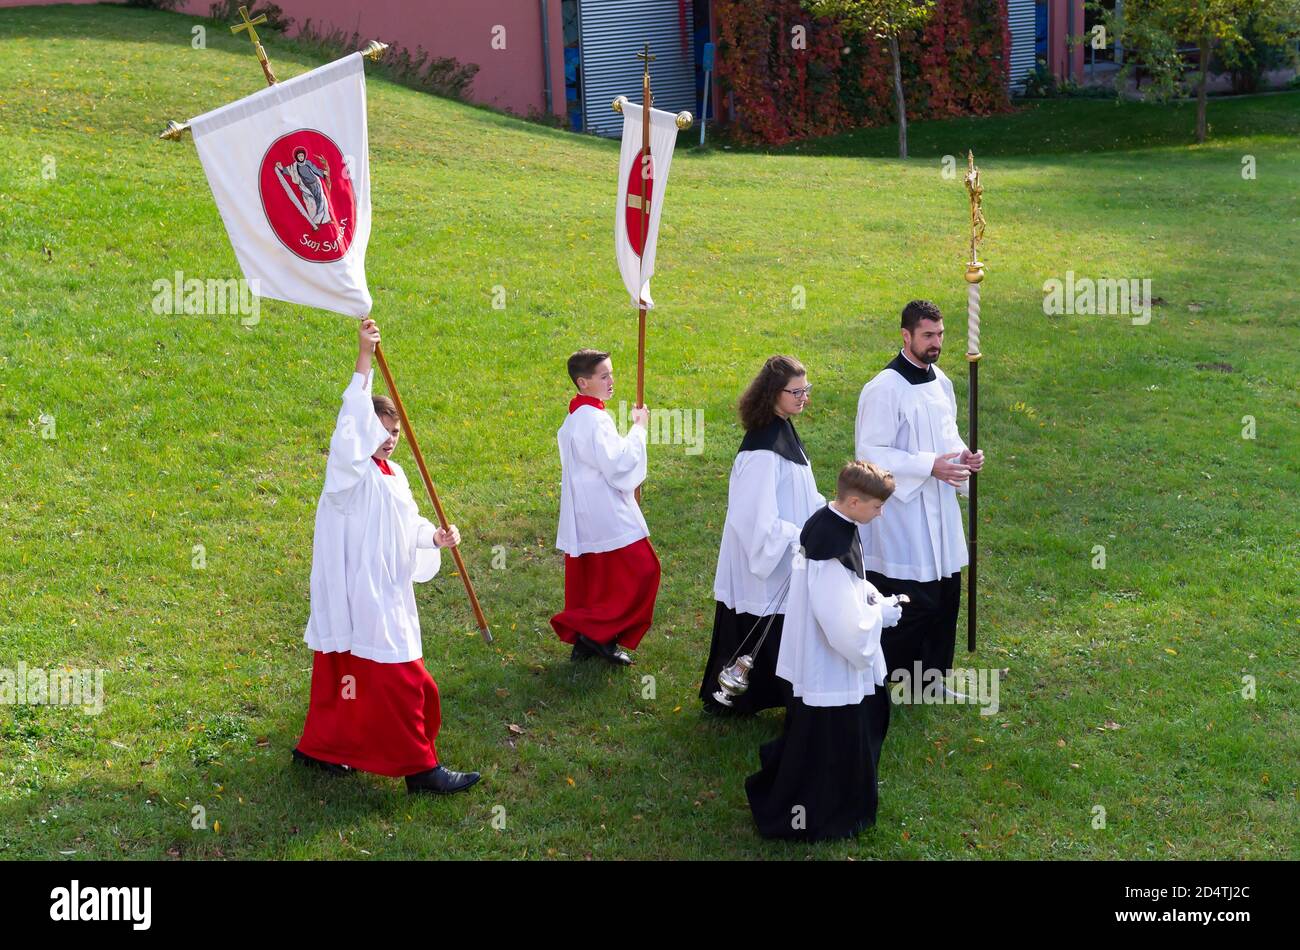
(257,44)
(976,192)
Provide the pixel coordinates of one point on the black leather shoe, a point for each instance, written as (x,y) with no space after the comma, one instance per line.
(609,652)
(580,652)
(329,768)
(440,781)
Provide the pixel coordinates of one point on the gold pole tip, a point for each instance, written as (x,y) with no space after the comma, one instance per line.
(684,120)
(617,105)
(974,272)
(173,130)
(373,50)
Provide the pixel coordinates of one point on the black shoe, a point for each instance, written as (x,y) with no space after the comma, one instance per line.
(329,768)
(609,652)
(440,781)
(580,651)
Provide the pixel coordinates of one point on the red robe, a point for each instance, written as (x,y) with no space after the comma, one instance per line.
(377,717)
(608,596)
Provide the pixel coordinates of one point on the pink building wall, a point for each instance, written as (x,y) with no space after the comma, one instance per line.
(1063,60)
(510,78)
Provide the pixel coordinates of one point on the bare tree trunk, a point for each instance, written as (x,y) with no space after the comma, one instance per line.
(898,96)
(1206,43)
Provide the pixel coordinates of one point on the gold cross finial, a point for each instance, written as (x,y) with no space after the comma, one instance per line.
(646,57)
(248,24)
(257,44)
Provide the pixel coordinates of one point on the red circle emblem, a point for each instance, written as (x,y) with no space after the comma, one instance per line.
(636,220)
(307,195)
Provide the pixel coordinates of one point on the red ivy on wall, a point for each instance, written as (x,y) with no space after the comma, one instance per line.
(956,65)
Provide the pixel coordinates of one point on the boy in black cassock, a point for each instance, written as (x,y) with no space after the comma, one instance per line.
(818,779)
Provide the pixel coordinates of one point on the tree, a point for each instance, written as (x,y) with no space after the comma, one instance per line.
(1154,29)
(884,20)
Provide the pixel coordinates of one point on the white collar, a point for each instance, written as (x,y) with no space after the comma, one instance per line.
(831,506)
(903,353)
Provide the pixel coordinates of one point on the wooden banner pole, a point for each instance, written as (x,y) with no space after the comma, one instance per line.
(433,492)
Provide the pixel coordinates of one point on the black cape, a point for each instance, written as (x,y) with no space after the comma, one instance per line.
(914,375)
(828,535)
(777,436)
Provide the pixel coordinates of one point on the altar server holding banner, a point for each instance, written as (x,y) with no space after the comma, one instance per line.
(289,170)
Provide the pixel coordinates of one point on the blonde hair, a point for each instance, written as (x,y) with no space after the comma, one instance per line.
(866,480)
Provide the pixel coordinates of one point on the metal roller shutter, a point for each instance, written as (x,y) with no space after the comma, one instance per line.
(1020,17)
(612,33)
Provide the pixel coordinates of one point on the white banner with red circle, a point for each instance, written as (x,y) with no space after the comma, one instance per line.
(289,168)
(641,186)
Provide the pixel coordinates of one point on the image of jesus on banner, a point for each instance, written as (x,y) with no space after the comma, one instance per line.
(308,190)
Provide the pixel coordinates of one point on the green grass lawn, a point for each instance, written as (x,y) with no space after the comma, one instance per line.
(1124,685)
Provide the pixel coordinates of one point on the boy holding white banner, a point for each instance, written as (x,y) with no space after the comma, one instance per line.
(289,170)
(611,572)
(374,706)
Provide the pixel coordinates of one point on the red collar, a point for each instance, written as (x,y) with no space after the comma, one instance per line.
(383,465)
(580,400)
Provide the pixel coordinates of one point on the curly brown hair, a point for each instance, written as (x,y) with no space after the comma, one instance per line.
(757,405)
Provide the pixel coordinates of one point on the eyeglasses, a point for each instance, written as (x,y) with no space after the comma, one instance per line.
(798,393)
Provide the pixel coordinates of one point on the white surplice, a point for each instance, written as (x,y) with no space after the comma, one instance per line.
(903,426)
(830,645)
(768,500)
(371,545)
(599,473)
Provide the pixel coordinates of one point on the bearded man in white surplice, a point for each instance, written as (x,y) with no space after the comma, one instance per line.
(907,423)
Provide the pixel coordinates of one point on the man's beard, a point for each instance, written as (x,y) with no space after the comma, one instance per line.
(924,357)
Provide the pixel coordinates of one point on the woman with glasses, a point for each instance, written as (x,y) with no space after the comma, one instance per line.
(771,494)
